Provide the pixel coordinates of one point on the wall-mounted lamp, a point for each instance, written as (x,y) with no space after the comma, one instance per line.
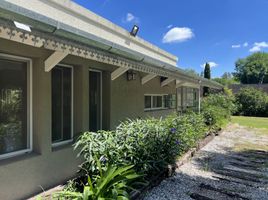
(134,30)
(131,75)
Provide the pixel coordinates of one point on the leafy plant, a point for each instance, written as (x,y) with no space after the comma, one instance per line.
(217,109)
(114,183)
(134,142)
(252,102)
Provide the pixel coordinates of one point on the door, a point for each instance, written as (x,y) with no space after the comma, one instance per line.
(95,101)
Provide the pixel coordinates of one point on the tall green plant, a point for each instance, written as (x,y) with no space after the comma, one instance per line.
(207,74)
(113,183)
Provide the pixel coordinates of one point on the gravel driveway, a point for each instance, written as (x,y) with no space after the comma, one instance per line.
(232,166)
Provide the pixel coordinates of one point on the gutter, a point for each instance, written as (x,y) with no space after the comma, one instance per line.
(47,25)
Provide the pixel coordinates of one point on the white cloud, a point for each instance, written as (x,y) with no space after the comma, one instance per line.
(245,44)
(235,46)
(178,34)
(211,64)
(130,18)
(258,46)
(169,26)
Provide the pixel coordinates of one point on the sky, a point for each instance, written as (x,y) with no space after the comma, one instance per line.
(196,31)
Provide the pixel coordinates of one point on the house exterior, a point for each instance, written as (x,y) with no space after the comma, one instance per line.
(65,70)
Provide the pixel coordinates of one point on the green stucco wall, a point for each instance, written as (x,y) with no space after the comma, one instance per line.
(46,166)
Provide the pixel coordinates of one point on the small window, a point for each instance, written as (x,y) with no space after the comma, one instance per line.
(61,105)
(15,102)
(154,101)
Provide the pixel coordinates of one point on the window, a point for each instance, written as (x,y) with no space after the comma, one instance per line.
(170,101)
(157,101)
(147,102)
(15,106)
(62,130)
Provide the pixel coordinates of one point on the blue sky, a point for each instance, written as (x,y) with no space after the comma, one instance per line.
(196,31)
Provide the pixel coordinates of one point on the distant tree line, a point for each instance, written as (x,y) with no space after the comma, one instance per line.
(252,69)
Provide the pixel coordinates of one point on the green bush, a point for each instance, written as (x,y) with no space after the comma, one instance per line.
(252,102)
(217,109)
(190,128)
(148,144)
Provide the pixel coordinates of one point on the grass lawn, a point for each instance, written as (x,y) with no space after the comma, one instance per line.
(254,122)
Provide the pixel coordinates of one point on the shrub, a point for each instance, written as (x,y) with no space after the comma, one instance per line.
(252,102)
(189,129)
(217,109)
(147,144)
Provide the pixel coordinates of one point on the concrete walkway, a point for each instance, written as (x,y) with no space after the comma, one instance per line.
(234,166)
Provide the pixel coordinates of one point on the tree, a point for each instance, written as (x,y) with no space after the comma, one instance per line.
(191,72)
(252,69)
(226,79)
(207,75)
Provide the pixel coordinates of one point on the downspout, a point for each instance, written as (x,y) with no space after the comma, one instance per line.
(199,97)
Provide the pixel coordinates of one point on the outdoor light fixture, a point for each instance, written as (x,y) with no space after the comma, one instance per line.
(131,75)
(134,30)
(22,26)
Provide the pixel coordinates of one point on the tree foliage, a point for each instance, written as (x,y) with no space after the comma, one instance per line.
(252,69)
(191,72)
(207,74)
(226,79)
(252,102)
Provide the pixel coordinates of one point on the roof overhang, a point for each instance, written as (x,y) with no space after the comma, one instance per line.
(58,36)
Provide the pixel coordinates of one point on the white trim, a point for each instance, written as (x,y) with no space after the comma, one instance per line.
(29,105)
(54,59)
(167,81)
(155,108)
(56,144)
(118,72)
(99,71)
(147,78)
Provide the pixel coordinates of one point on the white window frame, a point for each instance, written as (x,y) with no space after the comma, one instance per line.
(29,105)
(156,108)
(56,144)
(99,71)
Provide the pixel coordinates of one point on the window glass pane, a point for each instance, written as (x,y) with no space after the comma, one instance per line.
(170,101)
(13,106)
(147,101)
(190,97)
(166,101)
(94,101)
(157,101)
(61,103)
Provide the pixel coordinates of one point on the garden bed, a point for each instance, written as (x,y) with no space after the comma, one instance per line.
(168,172)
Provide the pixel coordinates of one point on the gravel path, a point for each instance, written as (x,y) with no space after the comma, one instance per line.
(232,166)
